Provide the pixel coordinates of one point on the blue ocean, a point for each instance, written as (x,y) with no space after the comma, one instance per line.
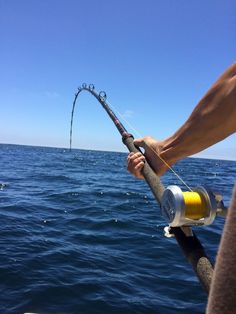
(79,234)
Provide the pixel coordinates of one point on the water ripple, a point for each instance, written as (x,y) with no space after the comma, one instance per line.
(80,235)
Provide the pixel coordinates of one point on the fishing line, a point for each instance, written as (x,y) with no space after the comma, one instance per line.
(187,240)
(101,97)
(141,136)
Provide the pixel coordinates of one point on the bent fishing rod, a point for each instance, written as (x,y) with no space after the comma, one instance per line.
(181,209)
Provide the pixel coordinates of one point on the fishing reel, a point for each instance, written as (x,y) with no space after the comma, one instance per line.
(198,207)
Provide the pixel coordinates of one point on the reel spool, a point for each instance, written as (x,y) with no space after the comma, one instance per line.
(198,207)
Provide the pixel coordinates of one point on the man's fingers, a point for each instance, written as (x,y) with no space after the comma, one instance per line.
(133,156)
(139,166)
(135,164)
(139,142)
(144,142)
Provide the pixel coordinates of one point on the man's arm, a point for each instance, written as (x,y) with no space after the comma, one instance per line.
(213,119)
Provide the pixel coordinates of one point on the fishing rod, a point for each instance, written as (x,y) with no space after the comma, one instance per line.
(181,209)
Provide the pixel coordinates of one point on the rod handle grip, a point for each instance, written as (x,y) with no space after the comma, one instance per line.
(151,178)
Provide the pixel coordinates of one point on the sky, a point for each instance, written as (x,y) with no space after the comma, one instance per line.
(154,58)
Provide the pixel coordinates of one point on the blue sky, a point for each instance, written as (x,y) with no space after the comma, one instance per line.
(155,60)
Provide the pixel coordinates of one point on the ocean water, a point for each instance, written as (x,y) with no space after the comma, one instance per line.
(79,234)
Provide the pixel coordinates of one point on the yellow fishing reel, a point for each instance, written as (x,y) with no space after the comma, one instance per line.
(198,207)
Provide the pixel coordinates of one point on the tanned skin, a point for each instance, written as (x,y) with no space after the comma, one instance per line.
(212,120)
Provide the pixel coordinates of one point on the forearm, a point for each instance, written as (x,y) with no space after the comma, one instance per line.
(212,120)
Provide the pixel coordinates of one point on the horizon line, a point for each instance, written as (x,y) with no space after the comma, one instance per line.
(112,151)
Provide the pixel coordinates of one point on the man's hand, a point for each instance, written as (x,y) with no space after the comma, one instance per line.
(152,153)
(212,120)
